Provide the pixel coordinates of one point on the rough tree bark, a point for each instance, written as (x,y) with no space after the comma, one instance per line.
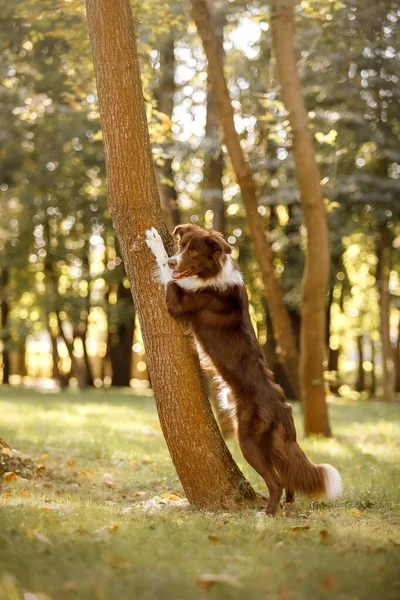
(204,465)
(316,272)
(388,370)
(286,346)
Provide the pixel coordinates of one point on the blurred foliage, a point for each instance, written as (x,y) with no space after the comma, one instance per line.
(56,238)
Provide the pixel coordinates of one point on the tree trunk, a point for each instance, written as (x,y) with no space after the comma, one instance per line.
(360,383)
(214,159)
(285,341)
(204,465)
(316,271)
(388,371)
(5,311)
(56,373)
(372,389)
(165,104)
(397,359)
(121,342)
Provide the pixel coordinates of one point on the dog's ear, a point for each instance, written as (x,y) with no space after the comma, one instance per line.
(180,230)
(218,244)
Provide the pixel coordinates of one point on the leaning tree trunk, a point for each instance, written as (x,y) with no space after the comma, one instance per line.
(285,341)
(204,465)
(388,370)
(316,272)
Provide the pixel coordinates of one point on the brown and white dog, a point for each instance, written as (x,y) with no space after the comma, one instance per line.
(205,290)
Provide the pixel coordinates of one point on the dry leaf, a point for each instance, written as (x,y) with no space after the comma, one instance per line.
(118,562)
(324,534)
(71,463)
(10,475)
(214,538)
(206,581)
(173,497)
(140,493)
(44,456)
(330,582)
(301,527)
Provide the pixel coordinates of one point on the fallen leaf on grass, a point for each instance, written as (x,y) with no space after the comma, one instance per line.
(207,580)
(330,582)
(324,534)
(44,456)
(108,528)
(174,497)
(140,493)
(301,527)
(108,480)
(214,538)
(71,463)
(10,475)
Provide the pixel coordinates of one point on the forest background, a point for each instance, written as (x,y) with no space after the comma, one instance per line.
(67,315)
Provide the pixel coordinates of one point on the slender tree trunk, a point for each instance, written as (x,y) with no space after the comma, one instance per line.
(397,358)
(316,272)
(388,371)
(5,311)
(56,373)
(372,389)
(214,159)
(360,383)
(165,104)
(285,341)
(122,341)
(205,467)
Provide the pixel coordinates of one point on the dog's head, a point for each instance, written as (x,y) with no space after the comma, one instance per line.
(202,253)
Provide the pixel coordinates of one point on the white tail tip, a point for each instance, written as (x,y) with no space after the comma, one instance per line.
(333,482)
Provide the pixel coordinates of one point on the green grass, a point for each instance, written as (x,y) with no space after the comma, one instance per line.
(80,532)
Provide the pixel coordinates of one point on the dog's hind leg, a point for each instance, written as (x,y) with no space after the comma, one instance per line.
(254,453)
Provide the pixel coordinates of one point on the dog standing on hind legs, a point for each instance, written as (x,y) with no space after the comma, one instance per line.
(205,290)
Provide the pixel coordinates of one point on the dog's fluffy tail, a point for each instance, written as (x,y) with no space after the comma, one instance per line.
(302,476)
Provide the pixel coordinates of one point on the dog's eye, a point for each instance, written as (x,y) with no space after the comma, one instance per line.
(193,251)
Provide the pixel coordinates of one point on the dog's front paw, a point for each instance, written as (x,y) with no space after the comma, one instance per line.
(154,242)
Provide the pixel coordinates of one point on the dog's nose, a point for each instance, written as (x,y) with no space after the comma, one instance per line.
(172,262)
